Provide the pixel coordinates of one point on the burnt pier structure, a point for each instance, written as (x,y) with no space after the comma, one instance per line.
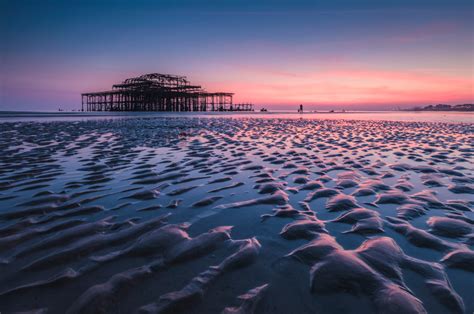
(159,92)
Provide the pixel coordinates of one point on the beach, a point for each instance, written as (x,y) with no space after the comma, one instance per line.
(237,213)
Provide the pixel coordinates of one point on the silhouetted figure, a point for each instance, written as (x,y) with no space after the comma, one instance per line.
(301,109)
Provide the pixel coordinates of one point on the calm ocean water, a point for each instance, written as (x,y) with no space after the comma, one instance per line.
(449,117)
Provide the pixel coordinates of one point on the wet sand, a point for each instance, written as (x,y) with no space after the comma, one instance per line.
(236,215)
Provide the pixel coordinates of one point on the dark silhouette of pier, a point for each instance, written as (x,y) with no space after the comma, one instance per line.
(159,92)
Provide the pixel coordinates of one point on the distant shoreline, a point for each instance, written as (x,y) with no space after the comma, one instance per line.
(445,108)
(434,110)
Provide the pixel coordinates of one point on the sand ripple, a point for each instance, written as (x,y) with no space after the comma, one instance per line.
(238,216)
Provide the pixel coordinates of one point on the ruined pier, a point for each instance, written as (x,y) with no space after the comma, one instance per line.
(159,92)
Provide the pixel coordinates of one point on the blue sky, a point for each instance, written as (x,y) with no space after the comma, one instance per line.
(325,54)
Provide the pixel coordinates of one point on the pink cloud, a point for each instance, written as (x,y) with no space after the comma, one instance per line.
(427,31)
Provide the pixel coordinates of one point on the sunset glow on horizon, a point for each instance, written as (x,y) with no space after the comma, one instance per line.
(275,53)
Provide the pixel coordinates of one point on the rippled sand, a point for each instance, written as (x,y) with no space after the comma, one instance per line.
(222,215)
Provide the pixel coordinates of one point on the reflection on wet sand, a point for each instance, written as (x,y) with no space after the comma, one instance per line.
(236,215)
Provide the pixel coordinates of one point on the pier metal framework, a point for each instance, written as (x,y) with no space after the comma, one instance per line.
(159,92)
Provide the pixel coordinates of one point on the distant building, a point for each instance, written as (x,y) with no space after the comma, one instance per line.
(444,107)
(464,107)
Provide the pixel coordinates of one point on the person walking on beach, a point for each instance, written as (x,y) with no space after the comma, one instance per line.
(301,109)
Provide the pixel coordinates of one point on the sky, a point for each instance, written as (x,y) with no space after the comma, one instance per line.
(356,55)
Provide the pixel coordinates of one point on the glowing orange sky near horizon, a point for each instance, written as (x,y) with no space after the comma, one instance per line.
(351,87)
(338,87)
